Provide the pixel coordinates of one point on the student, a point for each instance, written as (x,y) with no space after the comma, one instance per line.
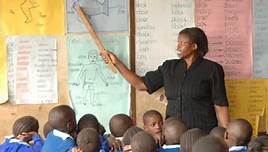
(91,121)
(88,141)
(88,121)
(25,136)
(118,124)
(62,119)
(189,137)
(152,124)
(237,135)
(259,144)
(143,142)
(172,131)
(128,135)
(218,132)
(47,129)
(210,144)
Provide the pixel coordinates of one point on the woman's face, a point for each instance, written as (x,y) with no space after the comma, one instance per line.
(185,47)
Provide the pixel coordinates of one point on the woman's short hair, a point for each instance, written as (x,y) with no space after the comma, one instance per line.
(198,37)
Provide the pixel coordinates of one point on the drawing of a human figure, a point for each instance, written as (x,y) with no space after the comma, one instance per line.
(88,78)
(26,7)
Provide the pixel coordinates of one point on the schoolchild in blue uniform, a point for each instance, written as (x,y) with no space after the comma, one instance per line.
(90,121)
(118,125)
(172,131)
(25,136)
(238,135)
(62,119)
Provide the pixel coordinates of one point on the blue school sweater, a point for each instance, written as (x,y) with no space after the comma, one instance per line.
(104,144)
(170,148)
(58,141)
(12,144)
(238,149)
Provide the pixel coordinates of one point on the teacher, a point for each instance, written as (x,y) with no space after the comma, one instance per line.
(194,86)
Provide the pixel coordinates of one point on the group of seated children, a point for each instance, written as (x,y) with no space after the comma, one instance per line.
(63,134)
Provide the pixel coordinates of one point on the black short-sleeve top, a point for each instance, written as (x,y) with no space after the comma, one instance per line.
(191,93)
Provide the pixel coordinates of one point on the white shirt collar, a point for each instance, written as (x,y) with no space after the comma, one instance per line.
(60,134)
(237,148)
(119,138)
(171,146)
(9,137)
(14,140)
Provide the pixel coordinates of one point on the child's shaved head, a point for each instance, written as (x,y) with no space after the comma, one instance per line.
(143,142)
(218,132)
(62,118)
(46,129)
(210,144)
(119,124)
(189,137)
(24,125)
(88,140)
(129,134)
(88,121)
(152,122)
(173,129)
(259,144)
(238,133)
(150,114)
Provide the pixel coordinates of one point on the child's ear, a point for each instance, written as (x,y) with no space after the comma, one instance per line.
(226,135)
(194,46)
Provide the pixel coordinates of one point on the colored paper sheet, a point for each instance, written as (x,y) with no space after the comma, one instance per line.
(105,15)
(32,76)
(228,25)
(260,54)
(247,98)
(3,72)
(32,17)
(93,87)
(158,23)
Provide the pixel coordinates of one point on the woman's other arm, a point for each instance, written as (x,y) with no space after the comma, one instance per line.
(222,115)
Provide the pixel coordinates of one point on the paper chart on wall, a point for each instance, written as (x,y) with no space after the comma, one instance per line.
(228,25)
(32,17)
(3,72)
(105,15)
(32,76)
(260,54)
(93,87)
(157,26)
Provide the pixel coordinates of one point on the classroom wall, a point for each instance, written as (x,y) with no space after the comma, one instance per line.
(145,56)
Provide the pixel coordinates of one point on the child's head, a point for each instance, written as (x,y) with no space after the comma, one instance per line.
(210,144)
(152,122)
(259,144)
(172,131)
(218,132)
(88,140)
(25,124)
(119,124)
(189,137)
(62,118)
(238,133)
(143,142)
(47,128)
(88,121)
(129,134)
